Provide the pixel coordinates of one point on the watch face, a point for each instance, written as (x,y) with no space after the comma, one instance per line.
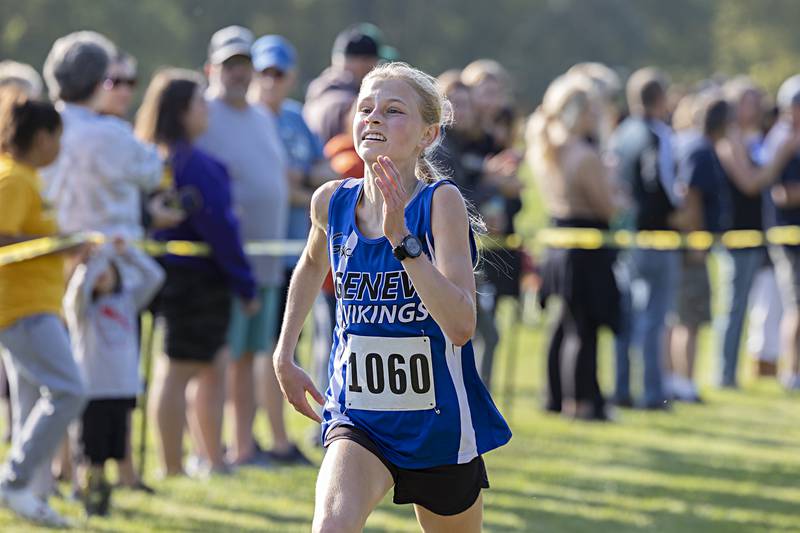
(413,247)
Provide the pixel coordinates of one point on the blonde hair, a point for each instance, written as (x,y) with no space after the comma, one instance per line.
(605,81)
(482,69)
(566,100)
(687,114)
(434,107)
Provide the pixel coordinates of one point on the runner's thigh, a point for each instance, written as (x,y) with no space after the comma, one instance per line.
(466,522)
(351,483)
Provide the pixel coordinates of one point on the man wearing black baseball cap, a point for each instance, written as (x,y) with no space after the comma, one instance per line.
(356,51)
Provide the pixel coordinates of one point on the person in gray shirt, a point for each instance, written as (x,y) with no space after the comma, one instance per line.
(245,138)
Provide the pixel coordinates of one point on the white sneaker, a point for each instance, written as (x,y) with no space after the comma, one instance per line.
(29,506)
(197,467)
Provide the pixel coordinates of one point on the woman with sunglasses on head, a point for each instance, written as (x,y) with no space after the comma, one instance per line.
(405,406)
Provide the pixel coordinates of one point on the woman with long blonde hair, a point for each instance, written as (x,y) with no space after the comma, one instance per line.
(577,193)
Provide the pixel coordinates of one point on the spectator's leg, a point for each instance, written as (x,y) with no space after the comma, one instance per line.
(763,335)
(168,408)
(554,348)
(208,406)
(23,395)
(41,355)
(737,270)
(589,399)
(125,470)
(6,395)
(787,271)
(684,349)
(269,395)
(271,399)
(658,278)
(568,368)
(242,402)
(622,346)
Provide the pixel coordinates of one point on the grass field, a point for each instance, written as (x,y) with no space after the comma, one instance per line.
(731,465)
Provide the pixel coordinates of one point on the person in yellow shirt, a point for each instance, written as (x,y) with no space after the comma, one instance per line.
(31,329)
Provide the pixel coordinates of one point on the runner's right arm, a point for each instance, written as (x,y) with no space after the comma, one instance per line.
(304,287)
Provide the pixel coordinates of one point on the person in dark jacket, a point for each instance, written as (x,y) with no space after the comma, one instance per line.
(330,96)
(643,146)
(195,301)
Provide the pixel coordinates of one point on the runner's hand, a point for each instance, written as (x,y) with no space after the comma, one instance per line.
(295,383)
(387,178)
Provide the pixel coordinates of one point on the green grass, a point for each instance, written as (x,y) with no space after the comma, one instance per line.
(730,465)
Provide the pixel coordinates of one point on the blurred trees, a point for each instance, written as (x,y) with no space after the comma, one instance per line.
(535,39)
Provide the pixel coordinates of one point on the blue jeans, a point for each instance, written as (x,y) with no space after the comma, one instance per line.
(737,270)
(622,339)
(654,280)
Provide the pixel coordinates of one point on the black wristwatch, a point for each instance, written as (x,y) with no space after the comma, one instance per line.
(410,246)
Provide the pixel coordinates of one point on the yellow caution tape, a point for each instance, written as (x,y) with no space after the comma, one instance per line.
(573,238)
(22,251)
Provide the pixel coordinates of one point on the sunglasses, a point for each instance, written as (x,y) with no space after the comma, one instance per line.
(272,72)
(111,83)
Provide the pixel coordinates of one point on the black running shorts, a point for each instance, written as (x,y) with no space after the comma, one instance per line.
(445,490)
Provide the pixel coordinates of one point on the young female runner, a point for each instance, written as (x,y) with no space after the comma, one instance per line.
(405,406)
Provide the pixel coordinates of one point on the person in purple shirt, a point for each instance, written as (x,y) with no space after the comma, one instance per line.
(196,299)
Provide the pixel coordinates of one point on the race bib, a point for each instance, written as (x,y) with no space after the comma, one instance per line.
(389,374)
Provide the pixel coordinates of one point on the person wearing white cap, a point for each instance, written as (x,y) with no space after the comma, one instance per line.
(245,138)
(275,64)
(786,197)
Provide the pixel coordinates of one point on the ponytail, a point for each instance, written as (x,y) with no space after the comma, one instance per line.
(21,118)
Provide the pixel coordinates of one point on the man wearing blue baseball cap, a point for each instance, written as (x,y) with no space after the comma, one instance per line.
(275,64)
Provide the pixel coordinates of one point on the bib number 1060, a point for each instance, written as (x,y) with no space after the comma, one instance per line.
(389,374)
(395,372)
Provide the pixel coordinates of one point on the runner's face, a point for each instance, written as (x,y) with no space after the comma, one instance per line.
(388,122)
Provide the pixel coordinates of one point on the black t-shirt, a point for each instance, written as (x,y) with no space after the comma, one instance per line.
(702,171)
(638,148)
(790,175)
(462,158)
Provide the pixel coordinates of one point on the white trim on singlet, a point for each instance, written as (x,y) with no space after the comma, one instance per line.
(467,448)
(430,249)
(337,376)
